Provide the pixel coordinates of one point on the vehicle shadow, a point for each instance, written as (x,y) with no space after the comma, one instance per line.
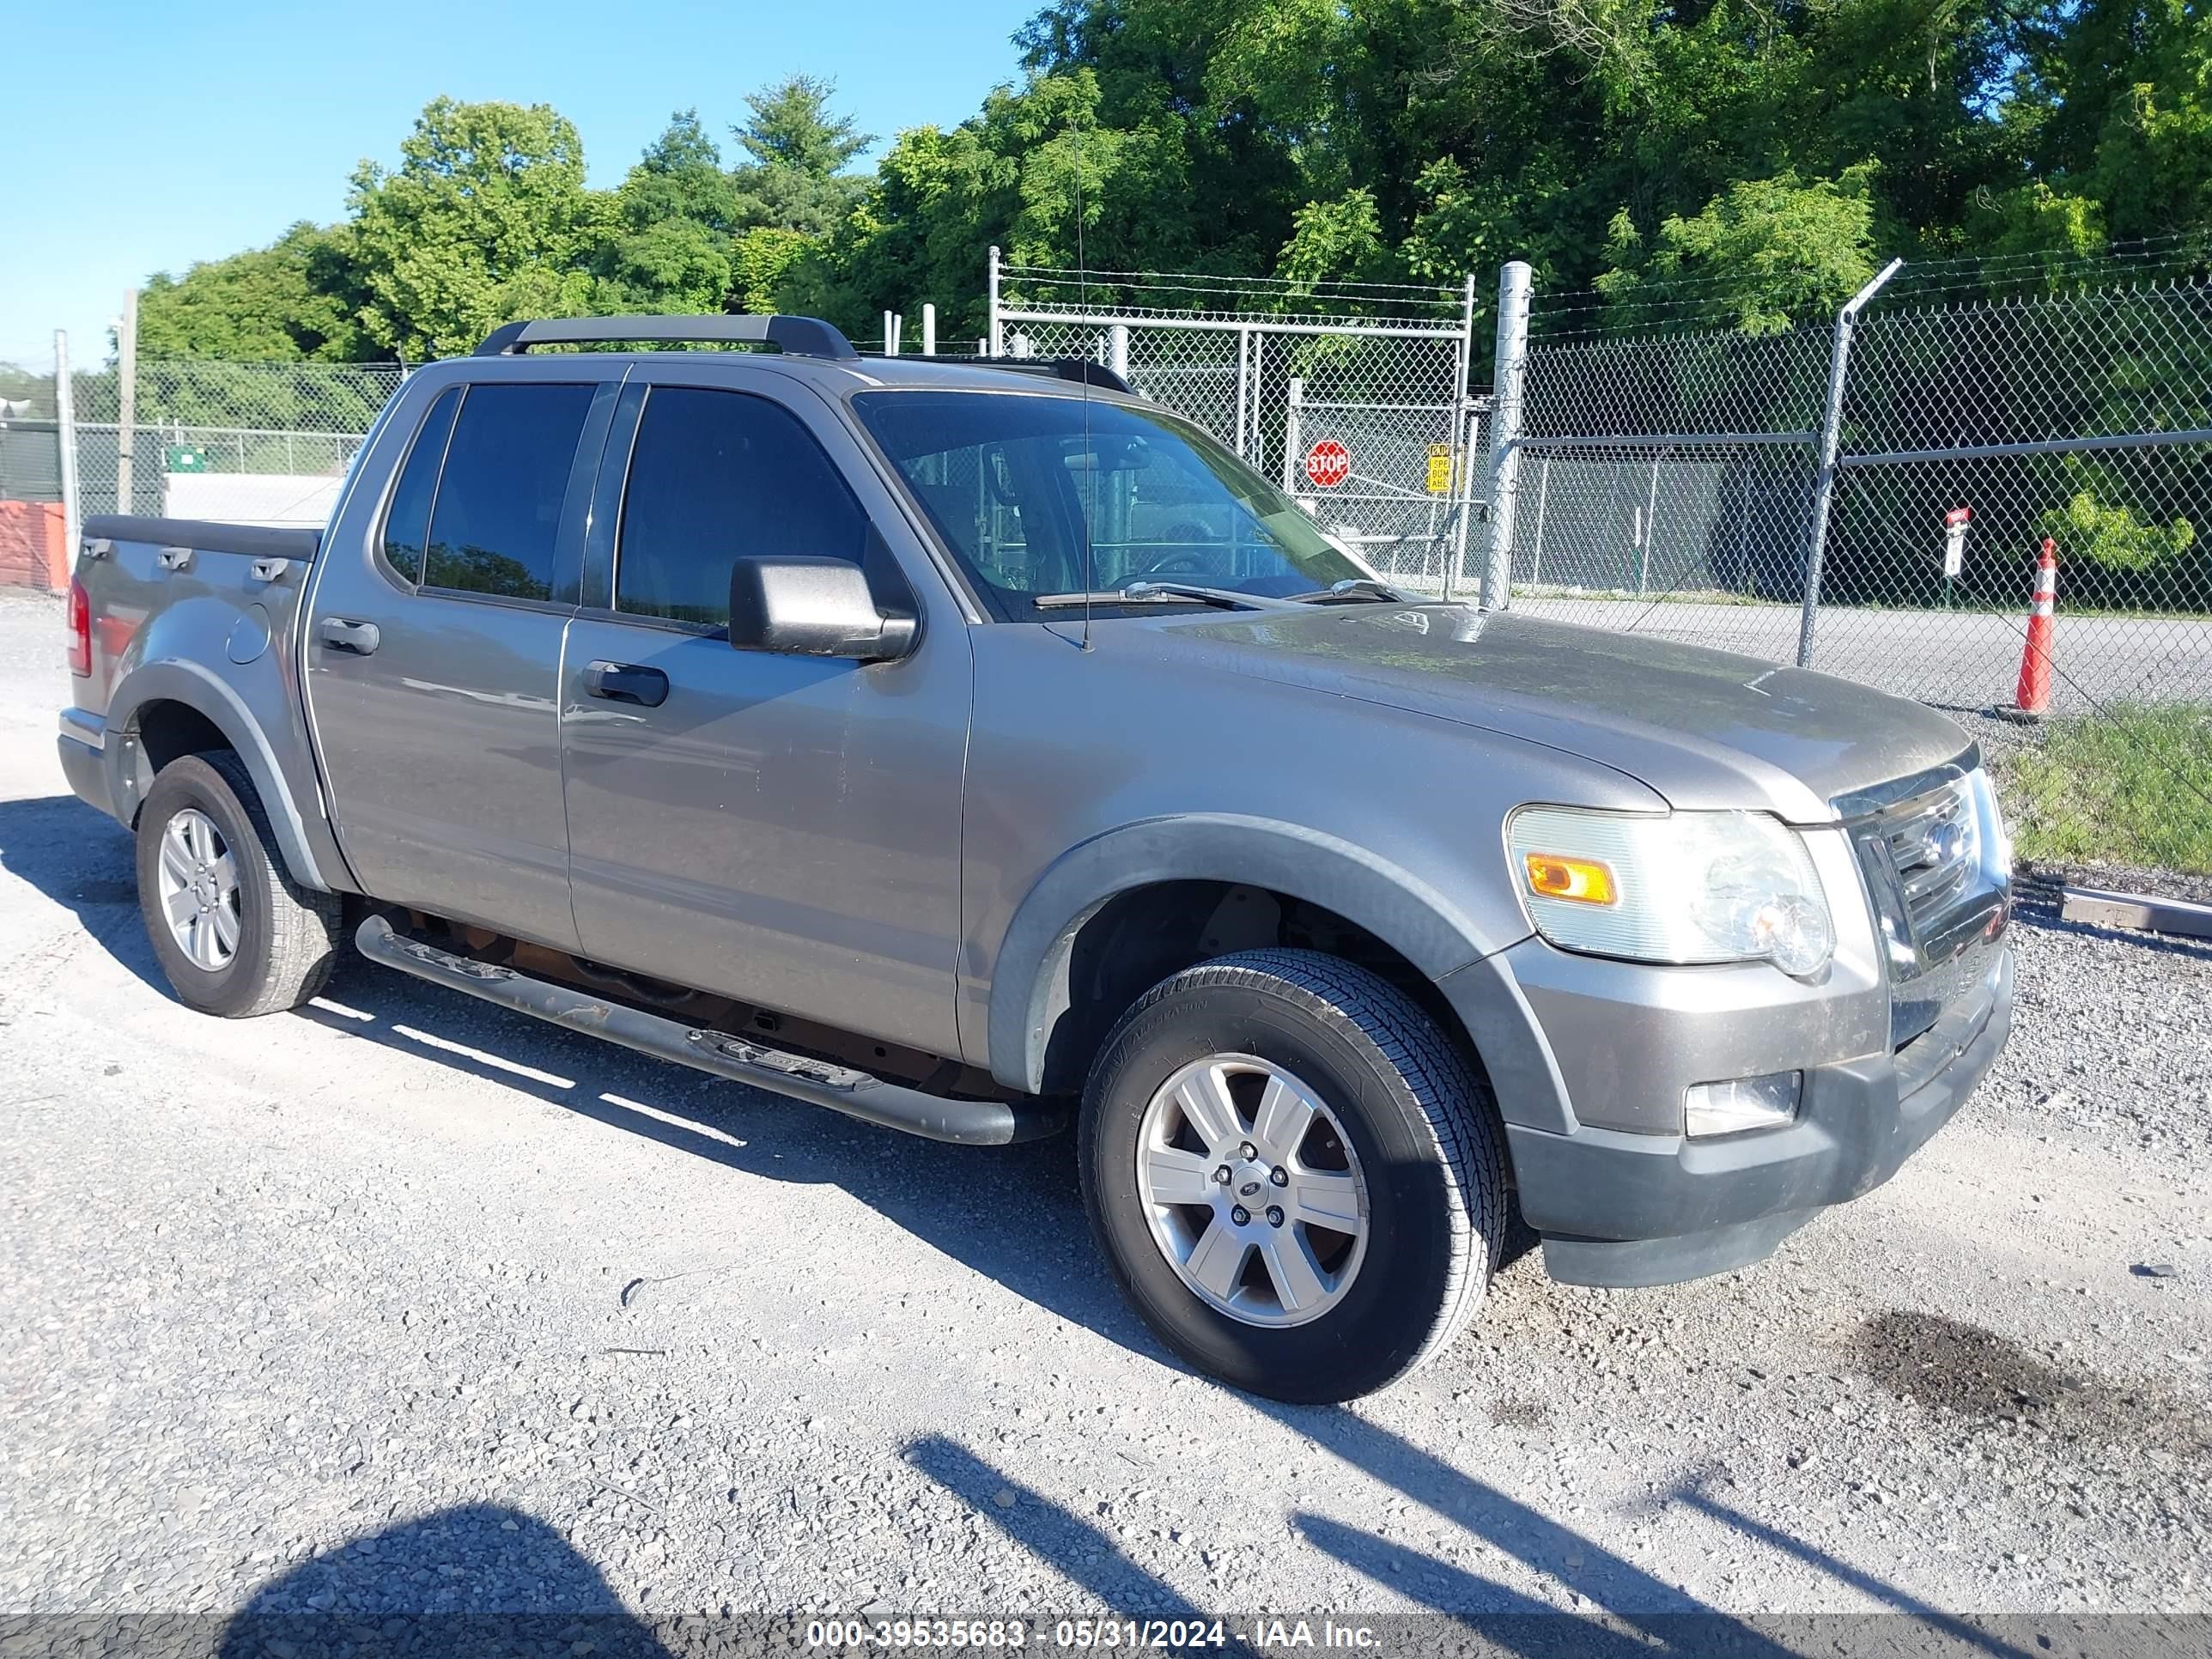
(478,1579)
(977,1205)
(80,859)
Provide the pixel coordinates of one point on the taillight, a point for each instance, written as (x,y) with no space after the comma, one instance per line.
(80,629)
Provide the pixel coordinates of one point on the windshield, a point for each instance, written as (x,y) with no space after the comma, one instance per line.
(1012,482)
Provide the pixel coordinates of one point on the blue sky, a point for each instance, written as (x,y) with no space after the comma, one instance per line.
(158,135)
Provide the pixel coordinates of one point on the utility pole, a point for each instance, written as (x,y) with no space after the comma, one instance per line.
(65,427)
(998,334)
(1831,434)
(126,398)
(1511,376)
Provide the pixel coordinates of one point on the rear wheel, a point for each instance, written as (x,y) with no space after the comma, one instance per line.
(1294,1175)
(234,933)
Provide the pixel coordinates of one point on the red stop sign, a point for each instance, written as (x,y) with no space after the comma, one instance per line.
(1328,464)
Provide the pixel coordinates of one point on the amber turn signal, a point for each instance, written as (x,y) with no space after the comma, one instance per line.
(1586,881)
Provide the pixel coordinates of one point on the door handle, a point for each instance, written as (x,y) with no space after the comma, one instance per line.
(623,682)
(360,638)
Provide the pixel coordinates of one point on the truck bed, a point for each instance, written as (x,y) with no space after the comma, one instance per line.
(193,624)
(255,541)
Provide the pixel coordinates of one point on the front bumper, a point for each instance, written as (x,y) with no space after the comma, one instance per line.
(1620,1208)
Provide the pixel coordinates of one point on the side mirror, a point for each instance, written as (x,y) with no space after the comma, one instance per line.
(811,607)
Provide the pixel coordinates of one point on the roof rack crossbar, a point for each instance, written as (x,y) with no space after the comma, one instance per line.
(802,336)
(1080,370)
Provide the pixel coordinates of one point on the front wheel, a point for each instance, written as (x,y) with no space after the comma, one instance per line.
(1294,1175)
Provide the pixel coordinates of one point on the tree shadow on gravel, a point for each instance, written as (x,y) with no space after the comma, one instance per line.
(479,1579)
(1648,1614)
(1083,1552)
(1693,1493)
(1641,1619)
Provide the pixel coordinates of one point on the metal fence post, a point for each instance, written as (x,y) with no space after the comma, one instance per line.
(1543,503)
(996,342)
(1293,438)
(1469,434)
(1117,350)
(1512,371)
(1244,350)
(1832,435)
(928,330)
(1650,531)
(127,398)
(65,430)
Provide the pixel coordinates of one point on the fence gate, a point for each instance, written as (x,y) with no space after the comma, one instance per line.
(1365,418)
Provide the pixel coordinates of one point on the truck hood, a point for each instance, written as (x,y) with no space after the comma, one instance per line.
(1704,728)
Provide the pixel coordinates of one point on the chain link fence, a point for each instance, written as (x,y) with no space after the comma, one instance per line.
(253,443)
(1871,498)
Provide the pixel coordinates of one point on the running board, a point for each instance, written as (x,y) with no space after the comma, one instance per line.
(818,1082)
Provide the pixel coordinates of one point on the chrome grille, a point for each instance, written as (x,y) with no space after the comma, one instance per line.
(1935,846)
(1936,860)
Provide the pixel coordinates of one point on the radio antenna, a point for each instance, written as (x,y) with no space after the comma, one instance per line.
(1088,470)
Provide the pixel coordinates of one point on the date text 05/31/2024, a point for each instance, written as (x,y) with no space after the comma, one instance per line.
(1141,1635)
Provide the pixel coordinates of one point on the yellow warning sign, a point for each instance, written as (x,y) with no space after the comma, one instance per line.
(1440,468)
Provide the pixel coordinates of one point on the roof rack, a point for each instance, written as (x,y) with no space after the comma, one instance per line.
(798,336)
(1080,370)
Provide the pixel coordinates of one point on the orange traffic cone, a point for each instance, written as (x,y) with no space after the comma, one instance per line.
(2031,698)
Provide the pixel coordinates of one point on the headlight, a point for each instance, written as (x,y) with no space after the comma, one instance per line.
(1689,887)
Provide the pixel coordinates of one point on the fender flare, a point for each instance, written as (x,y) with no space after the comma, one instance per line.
(1028,977)
(174,680)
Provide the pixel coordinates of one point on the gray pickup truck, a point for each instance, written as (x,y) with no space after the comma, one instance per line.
(971,748)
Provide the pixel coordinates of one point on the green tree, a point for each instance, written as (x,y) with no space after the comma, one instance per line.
(797,179)
(486,219)
(764,259)
(1764,253)
(1334,241)
(1023,174)
(297,298)
(668,246)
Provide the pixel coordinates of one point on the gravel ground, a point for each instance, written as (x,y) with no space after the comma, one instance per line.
(400,1303)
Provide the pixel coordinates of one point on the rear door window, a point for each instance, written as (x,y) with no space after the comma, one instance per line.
(407,521)
(713,475)
(496,523)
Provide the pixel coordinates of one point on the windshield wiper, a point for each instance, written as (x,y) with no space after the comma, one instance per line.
(1158,592)
(1358,588)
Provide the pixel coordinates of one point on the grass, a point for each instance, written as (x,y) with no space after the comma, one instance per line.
(2135,788)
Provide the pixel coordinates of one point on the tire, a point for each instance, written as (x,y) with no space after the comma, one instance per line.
(282,939)
(1409,1114)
